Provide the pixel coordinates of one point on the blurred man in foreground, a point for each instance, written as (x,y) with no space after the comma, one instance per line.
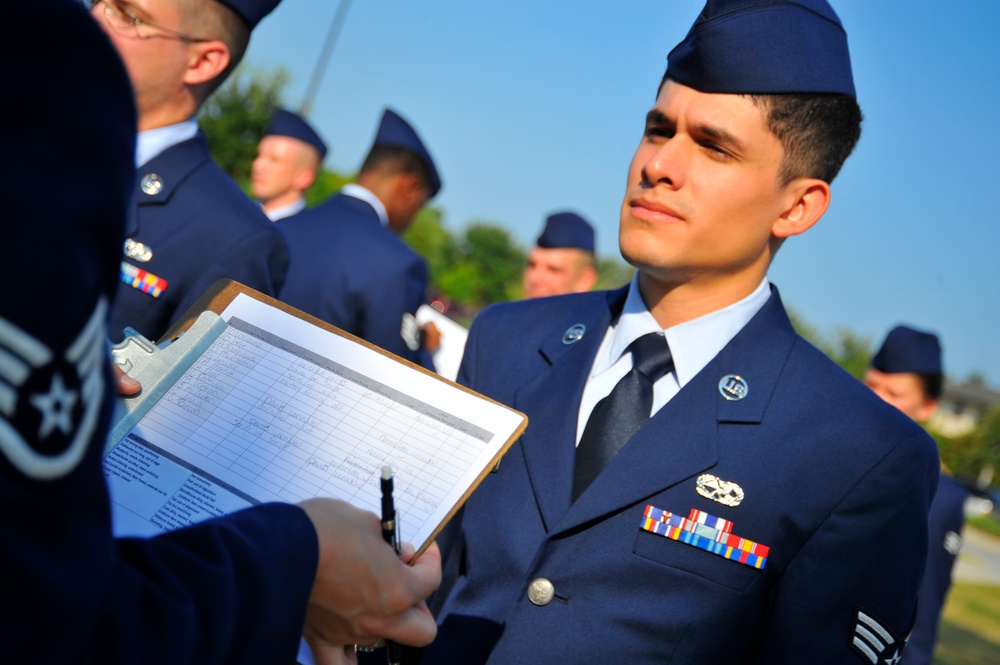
(239,589)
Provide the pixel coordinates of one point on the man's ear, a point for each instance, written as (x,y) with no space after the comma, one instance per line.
(304,178)
(808,200)
(926,410)
(208,60)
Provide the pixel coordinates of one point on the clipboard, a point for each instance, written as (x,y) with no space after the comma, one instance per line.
(173,456)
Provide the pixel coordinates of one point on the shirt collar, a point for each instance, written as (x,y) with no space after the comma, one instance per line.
(693,343)
(359,192)
(152,142)
(293,208)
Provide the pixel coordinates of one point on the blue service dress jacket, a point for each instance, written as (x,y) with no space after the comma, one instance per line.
(232,590)
(354,273)
(191,226)
(832,481)
(945,521)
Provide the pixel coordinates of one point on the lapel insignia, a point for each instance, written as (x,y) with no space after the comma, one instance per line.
(716,489)
(733,387)
(874,641)
(146,282)
(574,334)
(138,251)
(151,184)
(50,402)
(706,532)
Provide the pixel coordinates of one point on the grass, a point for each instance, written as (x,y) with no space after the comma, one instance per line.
(970,628)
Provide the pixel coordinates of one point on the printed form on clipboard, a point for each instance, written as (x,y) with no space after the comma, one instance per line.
(262,403)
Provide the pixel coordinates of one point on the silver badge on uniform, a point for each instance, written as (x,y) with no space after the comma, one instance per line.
(733,387)
(873,640)
(138,251)
(574,334)
(151,184)
(714,488)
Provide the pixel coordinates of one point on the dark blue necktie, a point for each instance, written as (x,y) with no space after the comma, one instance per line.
(620,415)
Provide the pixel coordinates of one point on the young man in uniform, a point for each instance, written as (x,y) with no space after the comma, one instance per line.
(349,266)
(190,225)
(907,373)
(772,510)
(562,260)
(288,160)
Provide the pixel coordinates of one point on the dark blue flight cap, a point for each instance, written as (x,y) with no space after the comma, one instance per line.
(909,350)
(395,132)
(758,47)
(286,123)
(567,230)
(251,11)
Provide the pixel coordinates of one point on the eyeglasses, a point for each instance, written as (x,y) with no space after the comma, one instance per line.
(121,19)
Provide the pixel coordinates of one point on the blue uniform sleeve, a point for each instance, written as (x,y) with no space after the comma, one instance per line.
(848,596)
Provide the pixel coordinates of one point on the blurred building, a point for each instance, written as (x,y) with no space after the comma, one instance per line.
(962,406)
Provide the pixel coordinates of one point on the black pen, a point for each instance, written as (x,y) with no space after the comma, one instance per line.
(389,532)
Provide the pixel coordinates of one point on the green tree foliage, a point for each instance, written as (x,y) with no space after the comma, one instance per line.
(487,267)
(236,116)
(428,237)
(612,273)
(849,350)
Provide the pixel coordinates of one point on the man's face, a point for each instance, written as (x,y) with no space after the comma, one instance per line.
(553,271)
(278,167)
(904,390)
(156,63)
(703,192)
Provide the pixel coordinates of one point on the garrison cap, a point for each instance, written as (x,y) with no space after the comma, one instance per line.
(909,350)
(251,11)
(286,123)
(764,47)
(394,132)
(567,230)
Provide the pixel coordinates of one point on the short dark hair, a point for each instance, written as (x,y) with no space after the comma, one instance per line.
(933,384)
(817,131)
(393,159)
(210,19)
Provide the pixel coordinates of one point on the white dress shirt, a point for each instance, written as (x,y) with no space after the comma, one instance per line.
(359,192)
(692,344)
(152,142)
(293,208)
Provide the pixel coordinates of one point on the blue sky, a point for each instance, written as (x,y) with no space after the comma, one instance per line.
(532,106)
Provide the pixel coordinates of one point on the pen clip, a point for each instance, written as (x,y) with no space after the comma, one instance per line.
(396,543)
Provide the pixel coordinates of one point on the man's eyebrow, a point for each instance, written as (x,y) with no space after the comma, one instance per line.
(655,117)
(720,136)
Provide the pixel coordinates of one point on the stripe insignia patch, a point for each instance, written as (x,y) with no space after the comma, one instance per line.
(707,532)
(145,281)
(873,641)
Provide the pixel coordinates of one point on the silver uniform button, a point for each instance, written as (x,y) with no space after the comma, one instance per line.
(151,184)
(541,592)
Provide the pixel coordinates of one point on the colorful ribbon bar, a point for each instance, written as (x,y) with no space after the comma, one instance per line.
(146,282)
(705,532)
